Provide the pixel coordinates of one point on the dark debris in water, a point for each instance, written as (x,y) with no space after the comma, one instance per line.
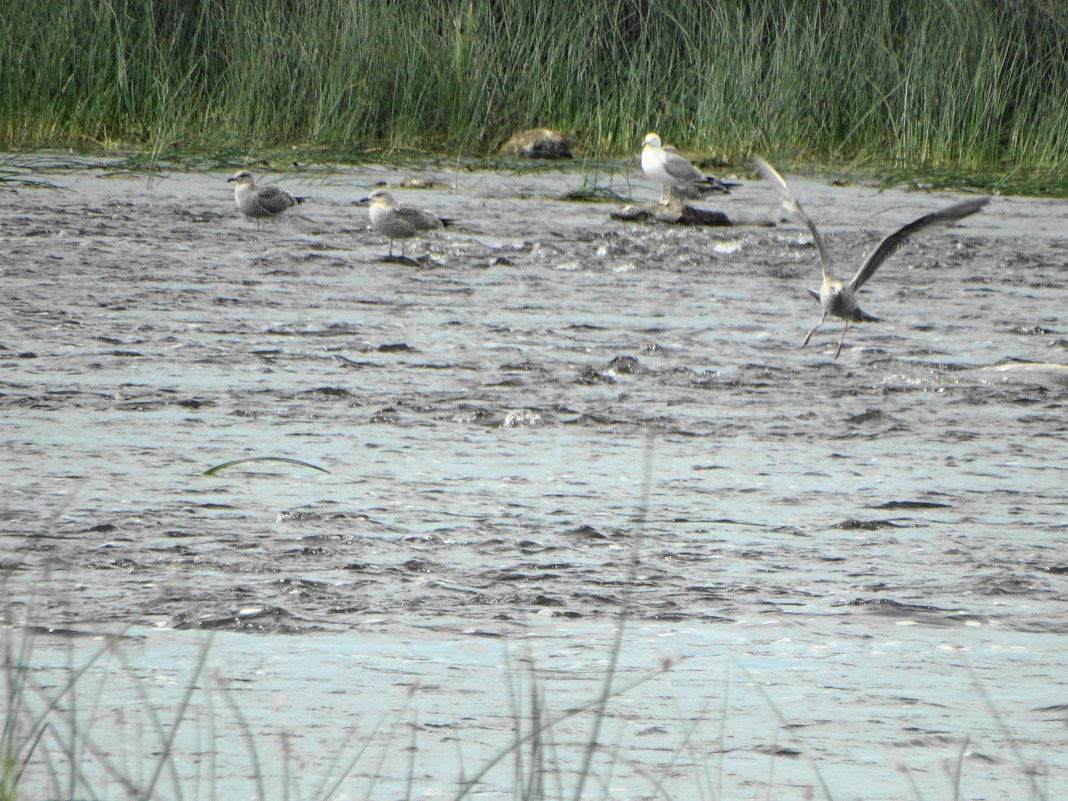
(1006,585)
(674,214)
(867,417)
(329,392)
(896,606)
(778,751)
(586,532)
(853,524)
(259,620)
(914,505)
(625,365)
(596,194)
(589,375)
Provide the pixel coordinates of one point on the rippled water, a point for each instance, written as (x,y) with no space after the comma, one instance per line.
(556,417)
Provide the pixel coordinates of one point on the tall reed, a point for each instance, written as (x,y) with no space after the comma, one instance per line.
(971,84)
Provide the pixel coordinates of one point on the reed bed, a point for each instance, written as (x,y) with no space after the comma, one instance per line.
(957,84)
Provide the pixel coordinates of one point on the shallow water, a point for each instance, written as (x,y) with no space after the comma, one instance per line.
(558,417)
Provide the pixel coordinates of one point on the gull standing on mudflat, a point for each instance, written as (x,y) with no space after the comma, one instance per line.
(260,202)
(839,299)
(398,221)
(664,165)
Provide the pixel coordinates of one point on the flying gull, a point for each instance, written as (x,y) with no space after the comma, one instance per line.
(838,298)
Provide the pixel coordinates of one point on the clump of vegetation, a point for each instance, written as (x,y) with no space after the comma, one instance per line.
(967,85)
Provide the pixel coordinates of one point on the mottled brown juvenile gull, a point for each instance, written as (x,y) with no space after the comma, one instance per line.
(397,221)
(260,202)
(676,176)
(838,298)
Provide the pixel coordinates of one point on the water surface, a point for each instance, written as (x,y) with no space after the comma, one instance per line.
(556,417)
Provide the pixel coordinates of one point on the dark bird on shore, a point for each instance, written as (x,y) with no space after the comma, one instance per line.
(838,298)
(260,202)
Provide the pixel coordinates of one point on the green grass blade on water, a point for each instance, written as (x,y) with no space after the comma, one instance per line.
(284,459)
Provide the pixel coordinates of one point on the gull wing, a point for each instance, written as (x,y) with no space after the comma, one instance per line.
(897,240)
(680,169)
(273,199)
(422,220)
(789,202)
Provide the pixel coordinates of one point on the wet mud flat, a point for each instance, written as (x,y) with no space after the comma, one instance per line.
(554,417)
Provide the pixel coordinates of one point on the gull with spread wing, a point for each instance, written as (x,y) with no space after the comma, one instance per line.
(838,298)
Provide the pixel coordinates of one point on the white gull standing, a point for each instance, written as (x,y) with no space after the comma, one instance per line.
(676,176)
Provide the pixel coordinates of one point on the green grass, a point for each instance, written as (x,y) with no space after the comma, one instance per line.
(953,85)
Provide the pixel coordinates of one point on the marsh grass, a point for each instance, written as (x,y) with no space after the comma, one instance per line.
(99,724)
(58,742)
(962,85)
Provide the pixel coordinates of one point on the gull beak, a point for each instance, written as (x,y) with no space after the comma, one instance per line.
(231,179)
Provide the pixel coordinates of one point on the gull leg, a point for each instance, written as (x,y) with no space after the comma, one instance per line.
(808,336)
(840,341)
